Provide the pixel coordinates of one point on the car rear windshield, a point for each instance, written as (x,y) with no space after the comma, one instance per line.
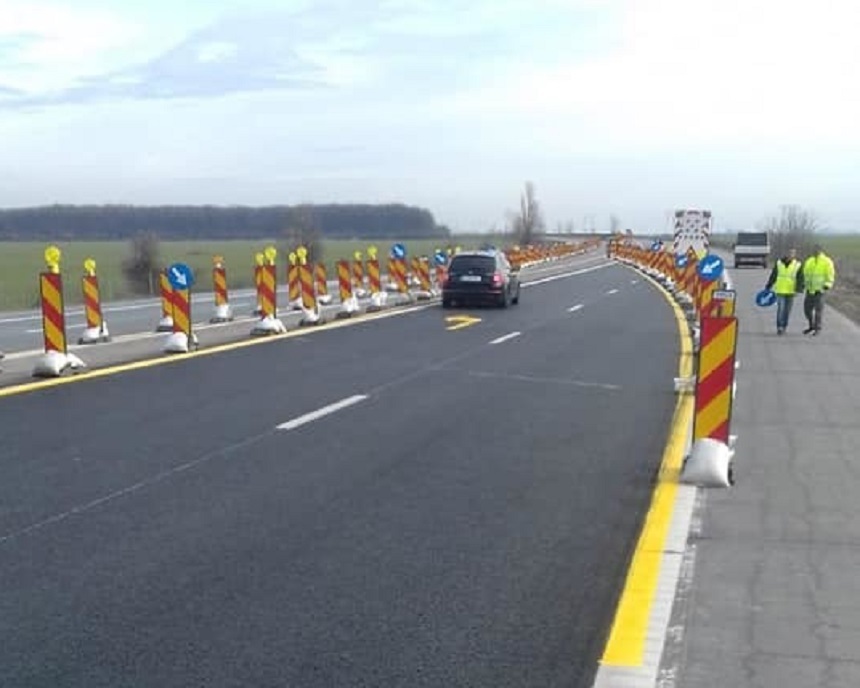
(752,238)
(473,264)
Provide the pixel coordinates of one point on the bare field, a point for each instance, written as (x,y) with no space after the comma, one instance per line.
(21,262)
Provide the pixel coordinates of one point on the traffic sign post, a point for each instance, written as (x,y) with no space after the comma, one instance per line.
(398,251)
(710,267)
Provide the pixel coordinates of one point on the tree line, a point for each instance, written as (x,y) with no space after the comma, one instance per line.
(122,222)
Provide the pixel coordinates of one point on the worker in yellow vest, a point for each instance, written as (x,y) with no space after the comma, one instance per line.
(786,279)
(818,278)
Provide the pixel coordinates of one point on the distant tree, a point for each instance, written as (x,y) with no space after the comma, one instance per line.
(303,230)
(141,266)
(794,227)
(528,224)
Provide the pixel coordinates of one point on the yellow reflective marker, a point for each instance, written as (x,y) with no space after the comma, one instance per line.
(302,253)
(371,252)
(357,255)
(52,258)
(270,253)
(293,258)
(458,322)
(217,260)
(259,258)
(90,267)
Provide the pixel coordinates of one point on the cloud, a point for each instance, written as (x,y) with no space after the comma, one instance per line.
(233,56)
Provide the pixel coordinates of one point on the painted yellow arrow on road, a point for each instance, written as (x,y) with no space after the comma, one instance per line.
(458,322)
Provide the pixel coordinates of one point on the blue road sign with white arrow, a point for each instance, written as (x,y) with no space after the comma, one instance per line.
(710,267)
(765,298)
(440,258)
(398,251)
(180,276)
(681,260)
(657,245)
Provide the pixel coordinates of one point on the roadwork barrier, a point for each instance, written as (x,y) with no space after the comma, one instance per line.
(96,329)
(166,292)
(223,311)
(694,282)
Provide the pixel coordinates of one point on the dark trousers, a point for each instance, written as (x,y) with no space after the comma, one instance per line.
(813,307)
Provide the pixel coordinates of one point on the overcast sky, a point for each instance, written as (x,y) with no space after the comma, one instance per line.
(625,107)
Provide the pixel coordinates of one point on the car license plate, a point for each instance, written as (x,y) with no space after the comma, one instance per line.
(470,278)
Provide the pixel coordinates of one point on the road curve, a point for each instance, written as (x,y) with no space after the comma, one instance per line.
(393,503)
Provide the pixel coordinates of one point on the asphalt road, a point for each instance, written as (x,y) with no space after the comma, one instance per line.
(439,508)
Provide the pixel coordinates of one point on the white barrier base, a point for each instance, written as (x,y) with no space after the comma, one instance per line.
(165,324)
(360,293)
(377,301)
(268,325)
(223,313)
(709,464)
(391,286)
(177,343)
(310,317)
(296,305)
(349,307)
(94,335)
(54,364)
(423,295)
(324,300)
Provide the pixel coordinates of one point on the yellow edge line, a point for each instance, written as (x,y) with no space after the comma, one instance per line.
(13,390)
(625,646)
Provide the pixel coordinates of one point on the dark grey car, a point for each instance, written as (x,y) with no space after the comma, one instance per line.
(481,277)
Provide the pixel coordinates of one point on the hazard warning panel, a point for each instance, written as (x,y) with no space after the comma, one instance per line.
(692,231)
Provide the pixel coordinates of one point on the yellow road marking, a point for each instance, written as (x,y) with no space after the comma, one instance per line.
(626,644)
(219,348)
(460,321)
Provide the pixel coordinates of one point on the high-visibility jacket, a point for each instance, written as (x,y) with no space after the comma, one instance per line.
(818,273)
(786,277)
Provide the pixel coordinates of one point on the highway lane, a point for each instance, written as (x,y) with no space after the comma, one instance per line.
(22,330)
(465,521)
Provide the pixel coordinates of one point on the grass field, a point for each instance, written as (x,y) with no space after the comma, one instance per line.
(21,262)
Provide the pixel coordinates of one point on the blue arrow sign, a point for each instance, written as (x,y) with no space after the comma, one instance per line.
(398,251)
(657,246)
(710,267)
(681,261)
(440,258)
(765,298)
(180,276)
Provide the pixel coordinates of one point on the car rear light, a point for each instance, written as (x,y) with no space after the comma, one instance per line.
(498,280)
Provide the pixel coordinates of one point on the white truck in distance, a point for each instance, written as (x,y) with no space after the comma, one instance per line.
(752,247)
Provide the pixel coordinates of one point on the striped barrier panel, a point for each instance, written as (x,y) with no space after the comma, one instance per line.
(166,291)
(53,312)
(309,297)
(219,284)
(344,280)
(374,278)
(267,291)
(321,280)
(294,287)
(358,273)
(400,277)
(92,302)
(182,312)
(424,274)
(715,379)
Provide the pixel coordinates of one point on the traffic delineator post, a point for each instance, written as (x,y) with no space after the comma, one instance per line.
(259,261)
(348,301)
(358,289)
(267,293)
(400,275)
(96,328)
(166,291)
(56,359)
(310,308)
(391,278)
(378,297)
(182,338)
(223,311)
(294,285)
(709,462)
(422,270)
(321,279)
(715,377)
